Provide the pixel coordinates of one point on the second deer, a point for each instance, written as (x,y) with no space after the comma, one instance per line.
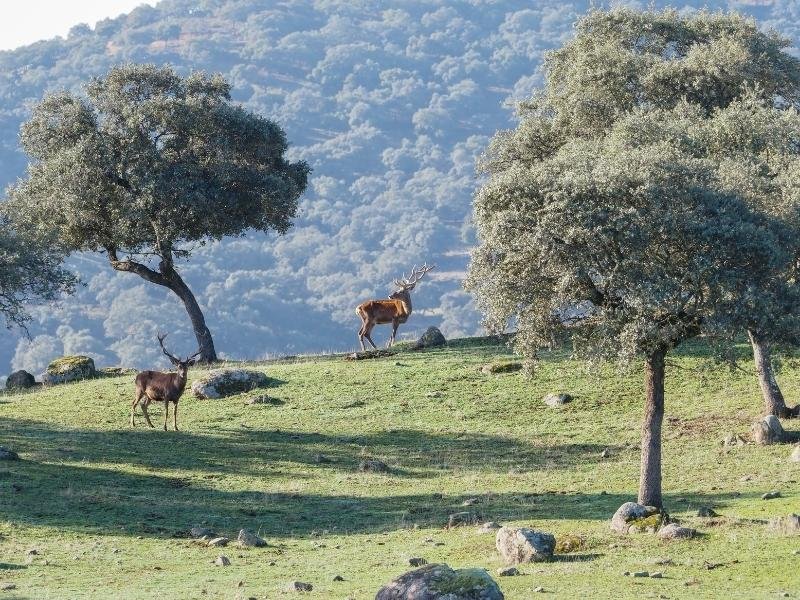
(154,386)
(395,310)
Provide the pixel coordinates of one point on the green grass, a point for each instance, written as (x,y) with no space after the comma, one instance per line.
(108,507)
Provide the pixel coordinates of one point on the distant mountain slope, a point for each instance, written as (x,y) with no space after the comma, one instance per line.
(389,101)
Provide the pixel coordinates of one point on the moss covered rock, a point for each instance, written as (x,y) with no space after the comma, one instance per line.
(69,368)
(636,518)
(221,383)
(497,368)
(440,582)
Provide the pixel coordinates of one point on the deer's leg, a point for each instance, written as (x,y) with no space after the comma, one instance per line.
(145,404)
(395,325)
(367,331)
(136,397)
(361,335)
(175,416)
(166,413)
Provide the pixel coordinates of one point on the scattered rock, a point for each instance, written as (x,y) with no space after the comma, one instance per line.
(489,527)
(299,586)
(524,545)
(20,380)
(355,404)
(198,532)
(462,518)
(640,574)
(69,368)
(221,383)
(371,465)
(734,439)
(434,395)
(6,587)
(657,575)
(222,561)
(115,371)
(367,354)
(501,367)
(264,399)
(538,589)
(248,539)
(673,531)
(6,454)
(432,338)
(321,459)
(768,430)
(706,512)
(470,501)
(771,495)
(795,455)
(338,578)
(507,571)
(789,525)
(218,542)
(556,400)
(440,582)
(417,562)
(632,518)
(606,453)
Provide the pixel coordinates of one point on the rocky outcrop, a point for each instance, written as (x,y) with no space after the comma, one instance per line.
(432,338)
(440,582)
(69,368)
(221,383)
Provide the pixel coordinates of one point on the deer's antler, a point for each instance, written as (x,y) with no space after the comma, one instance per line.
(161,337)
(416,275)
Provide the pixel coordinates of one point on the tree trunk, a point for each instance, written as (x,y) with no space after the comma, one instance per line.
(205,342)
(650,474)
(169,278)
(774,403)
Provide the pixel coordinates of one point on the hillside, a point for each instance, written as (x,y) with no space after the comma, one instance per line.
(107,509)
(389,101)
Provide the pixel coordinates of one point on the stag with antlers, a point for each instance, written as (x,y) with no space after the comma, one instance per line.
(154,386)
(395,310)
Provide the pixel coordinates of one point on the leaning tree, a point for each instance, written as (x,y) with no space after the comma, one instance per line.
(623,59)
(624,244)
(30,272)
(148,165)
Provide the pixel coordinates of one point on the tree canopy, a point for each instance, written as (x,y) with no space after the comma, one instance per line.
(148,165)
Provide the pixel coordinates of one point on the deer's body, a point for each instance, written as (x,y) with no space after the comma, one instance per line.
(155,386)
(395,310)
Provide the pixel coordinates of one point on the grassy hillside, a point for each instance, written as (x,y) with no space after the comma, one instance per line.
(107,508)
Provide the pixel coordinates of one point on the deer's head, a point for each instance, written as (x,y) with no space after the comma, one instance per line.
(182,365)
(405,284)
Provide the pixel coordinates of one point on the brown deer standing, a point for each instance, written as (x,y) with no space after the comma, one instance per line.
(395,310)
(162,387)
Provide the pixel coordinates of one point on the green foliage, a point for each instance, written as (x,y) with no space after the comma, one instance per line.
(148,162)
(30,271)
(90,487)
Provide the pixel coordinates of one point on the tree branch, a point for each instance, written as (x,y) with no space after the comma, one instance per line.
(139,269)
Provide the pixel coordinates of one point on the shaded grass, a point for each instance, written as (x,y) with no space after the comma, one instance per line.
(108,507)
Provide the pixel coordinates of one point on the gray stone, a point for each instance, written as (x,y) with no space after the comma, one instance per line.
(218,542)
(771,495)
(6,454)
(632,517)
(523,545)
(789,525)
(69,368)
(338,578)
(462,518)
(20,380)
(440,582)
(432,338)
(299,586)
(640,574)
(221,383)
(264,399)
(768,430)
(733,439)
(489,527)
(706,511)
(556,400)
(199,531)
(371,465)
(657,575)
(507,571)
(222,561)
(501,367)
(248,539)
(673,531)
(417,562)
(795,455)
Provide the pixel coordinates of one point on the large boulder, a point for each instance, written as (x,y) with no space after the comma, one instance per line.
(431,338)
(440,582)
(20,380)
(221,383)
(768,431)
(634,518)
(673,531)
(69,368)
(524,545)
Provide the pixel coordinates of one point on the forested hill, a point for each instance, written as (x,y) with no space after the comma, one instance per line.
(390,102)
